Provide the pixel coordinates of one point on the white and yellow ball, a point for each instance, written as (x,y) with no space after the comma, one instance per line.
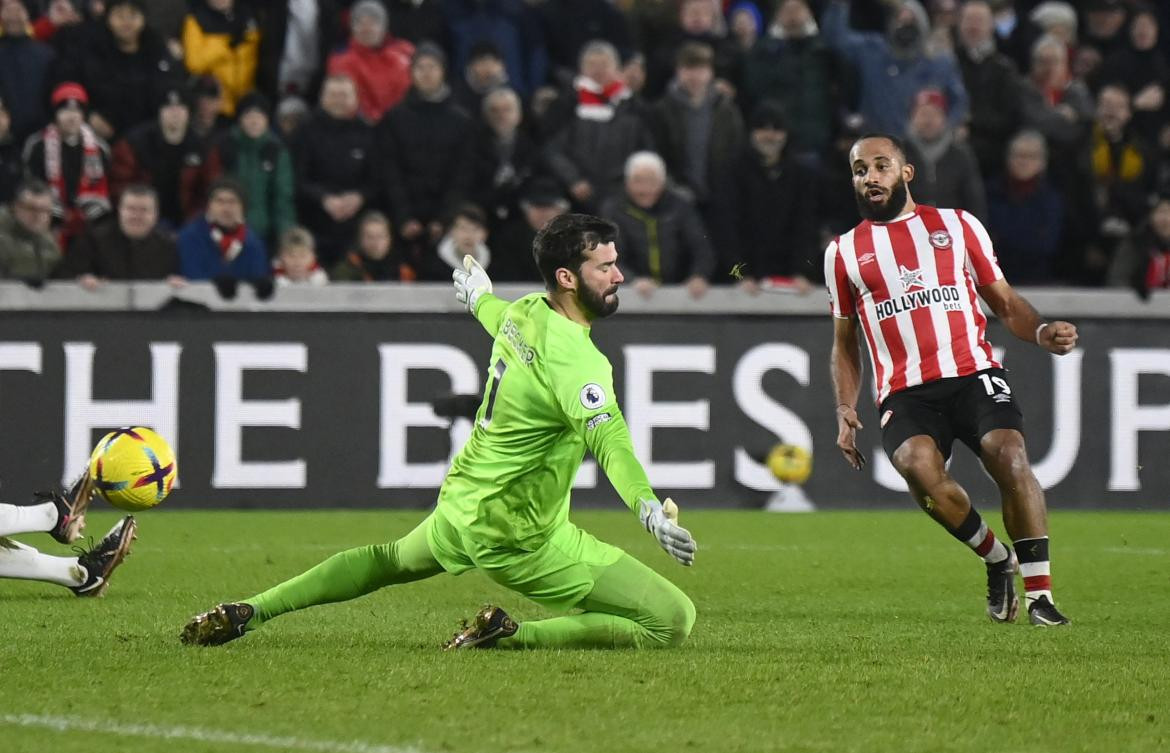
(133,468)
(789,463)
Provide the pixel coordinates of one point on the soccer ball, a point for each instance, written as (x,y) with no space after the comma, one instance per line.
(133,468)
(789,463)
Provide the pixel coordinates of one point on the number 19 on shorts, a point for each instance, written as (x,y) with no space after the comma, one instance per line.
(996,387)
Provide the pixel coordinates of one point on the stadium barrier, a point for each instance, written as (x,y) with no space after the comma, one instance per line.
(321,398)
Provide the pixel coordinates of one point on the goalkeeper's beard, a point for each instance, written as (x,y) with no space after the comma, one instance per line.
(597,305)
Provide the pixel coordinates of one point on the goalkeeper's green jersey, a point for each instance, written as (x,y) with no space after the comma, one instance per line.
(548,397)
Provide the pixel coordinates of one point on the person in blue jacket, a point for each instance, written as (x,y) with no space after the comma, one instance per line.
(219,244)
(893,67)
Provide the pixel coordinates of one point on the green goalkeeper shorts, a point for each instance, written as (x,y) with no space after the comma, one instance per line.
(558,575)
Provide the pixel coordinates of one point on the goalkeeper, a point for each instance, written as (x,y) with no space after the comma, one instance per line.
(504,507)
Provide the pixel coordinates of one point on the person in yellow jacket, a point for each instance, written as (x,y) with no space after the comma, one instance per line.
(221,39)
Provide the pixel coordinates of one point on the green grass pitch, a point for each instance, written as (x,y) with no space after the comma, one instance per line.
(860,631)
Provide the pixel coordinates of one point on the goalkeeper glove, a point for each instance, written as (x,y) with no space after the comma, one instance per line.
(470,282)
(661,520)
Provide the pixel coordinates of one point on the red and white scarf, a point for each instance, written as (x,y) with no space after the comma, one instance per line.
(597,102)
(230,242)
(315,276)
(93,188)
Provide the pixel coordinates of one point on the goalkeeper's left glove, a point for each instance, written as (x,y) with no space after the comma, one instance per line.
(660,520)
(470,282)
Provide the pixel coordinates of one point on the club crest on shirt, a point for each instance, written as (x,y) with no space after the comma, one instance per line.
(940,239)
(592,396)
(910,278)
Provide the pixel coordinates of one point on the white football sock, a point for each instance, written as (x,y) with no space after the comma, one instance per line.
(27,518)
(26,563)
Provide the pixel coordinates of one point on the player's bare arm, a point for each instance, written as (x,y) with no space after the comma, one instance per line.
(1022,320)
(846,368)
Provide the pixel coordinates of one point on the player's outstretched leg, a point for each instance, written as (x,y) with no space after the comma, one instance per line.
(86,575)
(58,512)
(921,463)
(26,563)
(344,576)
(629,606)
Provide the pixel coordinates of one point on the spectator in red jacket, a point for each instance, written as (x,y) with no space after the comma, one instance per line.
(378,63)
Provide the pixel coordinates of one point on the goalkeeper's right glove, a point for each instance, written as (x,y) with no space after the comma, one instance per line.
(661,520)
(470,282)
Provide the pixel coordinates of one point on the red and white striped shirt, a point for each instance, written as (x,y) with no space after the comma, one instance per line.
(911,282)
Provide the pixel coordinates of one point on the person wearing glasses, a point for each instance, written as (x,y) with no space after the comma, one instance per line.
(27,249)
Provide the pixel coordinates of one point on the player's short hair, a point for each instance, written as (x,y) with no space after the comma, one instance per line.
(565,240)
(898,143)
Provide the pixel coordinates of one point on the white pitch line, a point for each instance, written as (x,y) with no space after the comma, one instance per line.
(1143,550)
(154,731)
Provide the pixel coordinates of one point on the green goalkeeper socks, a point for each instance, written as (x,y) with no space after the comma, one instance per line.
(587,630)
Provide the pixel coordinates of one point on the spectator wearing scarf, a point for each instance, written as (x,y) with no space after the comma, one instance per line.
(219,245)
(73,160)
(589,152)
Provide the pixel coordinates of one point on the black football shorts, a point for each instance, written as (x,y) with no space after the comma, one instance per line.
(963,408)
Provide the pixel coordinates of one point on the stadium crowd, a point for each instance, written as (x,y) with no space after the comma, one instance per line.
(312,140)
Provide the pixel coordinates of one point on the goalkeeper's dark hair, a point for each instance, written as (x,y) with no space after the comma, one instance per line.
(565,240)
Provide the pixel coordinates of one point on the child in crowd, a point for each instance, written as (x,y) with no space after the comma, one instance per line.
(467,234)
(372,259)
(296,263)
